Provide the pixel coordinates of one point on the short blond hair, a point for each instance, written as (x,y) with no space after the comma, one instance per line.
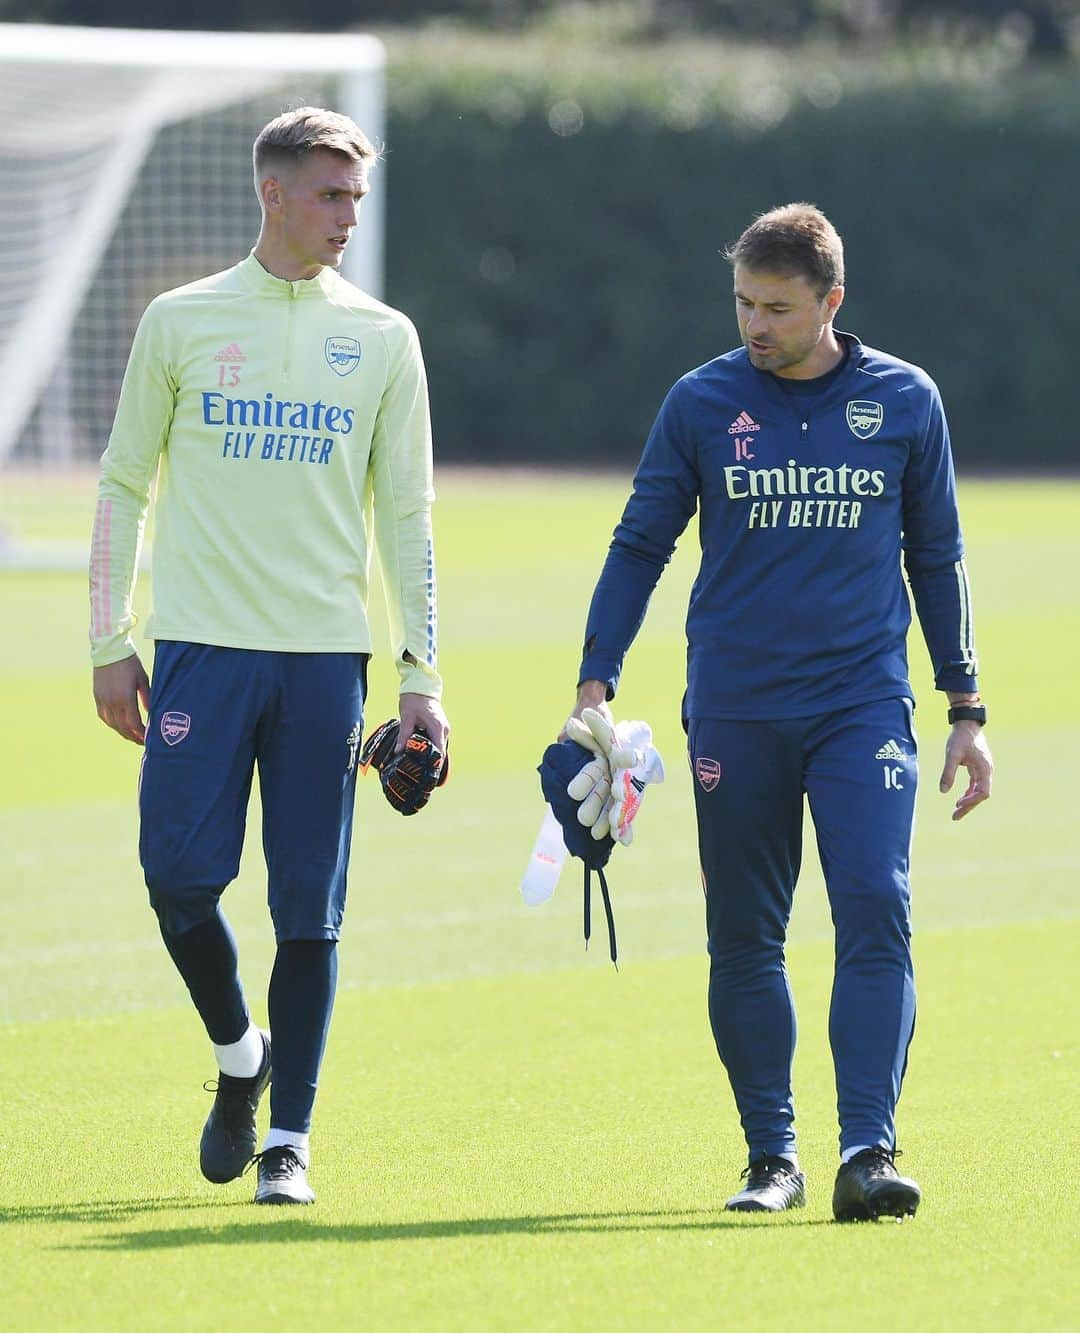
(288,138)
(794,239)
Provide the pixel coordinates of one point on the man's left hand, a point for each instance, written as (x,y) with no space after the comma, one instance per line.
(419,713)
(967,748)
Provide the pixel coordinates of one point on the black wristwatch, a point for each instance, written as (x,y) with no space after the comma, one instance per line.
(968,713)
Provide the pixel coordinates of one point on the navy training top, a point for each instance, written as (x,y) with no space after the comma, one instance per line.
(807,501)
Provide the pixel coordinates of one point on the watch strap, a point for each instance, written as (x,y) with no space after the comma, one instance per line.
(968,713)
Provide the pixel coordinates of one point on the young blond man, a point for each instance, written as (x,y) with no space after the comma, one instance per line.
(273,402)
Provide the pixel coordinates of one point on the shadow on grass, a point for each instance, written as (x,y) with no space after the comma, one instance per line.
(285,1225)
(110,1210)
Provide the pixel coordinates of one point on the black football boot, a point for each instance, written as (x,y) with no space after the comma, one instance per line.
(228,1138)
(772,1186)
(282,1177)
(869,1186)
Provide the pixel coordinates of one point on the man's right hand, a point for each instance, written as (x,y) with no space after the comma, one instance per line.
(119,688)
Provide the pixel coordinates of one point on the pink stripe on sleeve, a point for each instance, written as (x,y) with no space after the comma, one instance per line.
(100,568)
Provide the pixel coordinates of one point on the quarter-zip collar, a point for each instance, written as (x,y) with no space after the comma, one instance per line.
(259,280)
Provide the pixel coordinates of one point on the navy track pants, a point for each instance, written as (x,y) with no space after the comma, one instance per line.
(214,714)
(859,772)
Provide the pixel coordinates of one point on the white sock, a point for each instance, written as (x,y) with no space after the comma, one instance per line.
(241,1059)
(289,1138)
(849,1153)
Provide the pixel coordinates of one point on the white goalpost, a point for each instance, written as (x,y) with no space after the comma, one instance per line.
(125,169)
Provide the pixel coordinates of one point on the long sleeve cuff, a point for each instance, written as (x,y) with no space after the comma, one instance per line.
(112,650)
(601,666)
(419,678)
(957,681)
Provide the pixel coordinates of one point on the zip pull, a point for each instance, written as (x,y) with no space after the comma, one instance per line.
(804,427)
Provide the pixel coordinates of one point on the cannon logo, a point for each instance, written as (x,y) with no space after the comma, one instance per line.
(342,355)
(708,773)
(864,419)
(174,727)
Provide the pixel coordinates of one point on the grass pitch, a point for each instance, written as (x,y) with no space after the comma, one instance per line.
(510,1135)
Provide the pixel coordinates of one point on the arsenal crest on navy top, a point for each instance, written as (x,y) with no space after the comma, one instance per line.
(864,419)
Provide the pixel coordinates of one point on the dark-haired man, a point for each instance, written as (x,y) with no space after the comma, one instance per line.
(272,402)
(818,465)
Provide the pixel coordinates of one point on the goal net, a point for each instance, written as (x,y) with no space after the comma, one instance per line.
(125,170)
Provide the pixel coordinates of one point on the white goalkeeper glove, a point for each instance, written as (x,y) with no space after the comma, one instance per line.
(635,762)
(612,786)
(591,787)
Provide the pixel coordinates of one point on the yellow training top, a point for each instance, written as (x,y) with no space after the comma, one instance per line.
(277,416)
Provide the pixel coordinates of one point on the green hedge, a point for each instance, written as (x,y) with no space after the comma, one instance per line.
(556,236)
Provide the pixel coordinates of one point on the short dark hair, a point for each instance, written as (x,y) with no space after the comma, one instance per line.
(288,138)
(792,240)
